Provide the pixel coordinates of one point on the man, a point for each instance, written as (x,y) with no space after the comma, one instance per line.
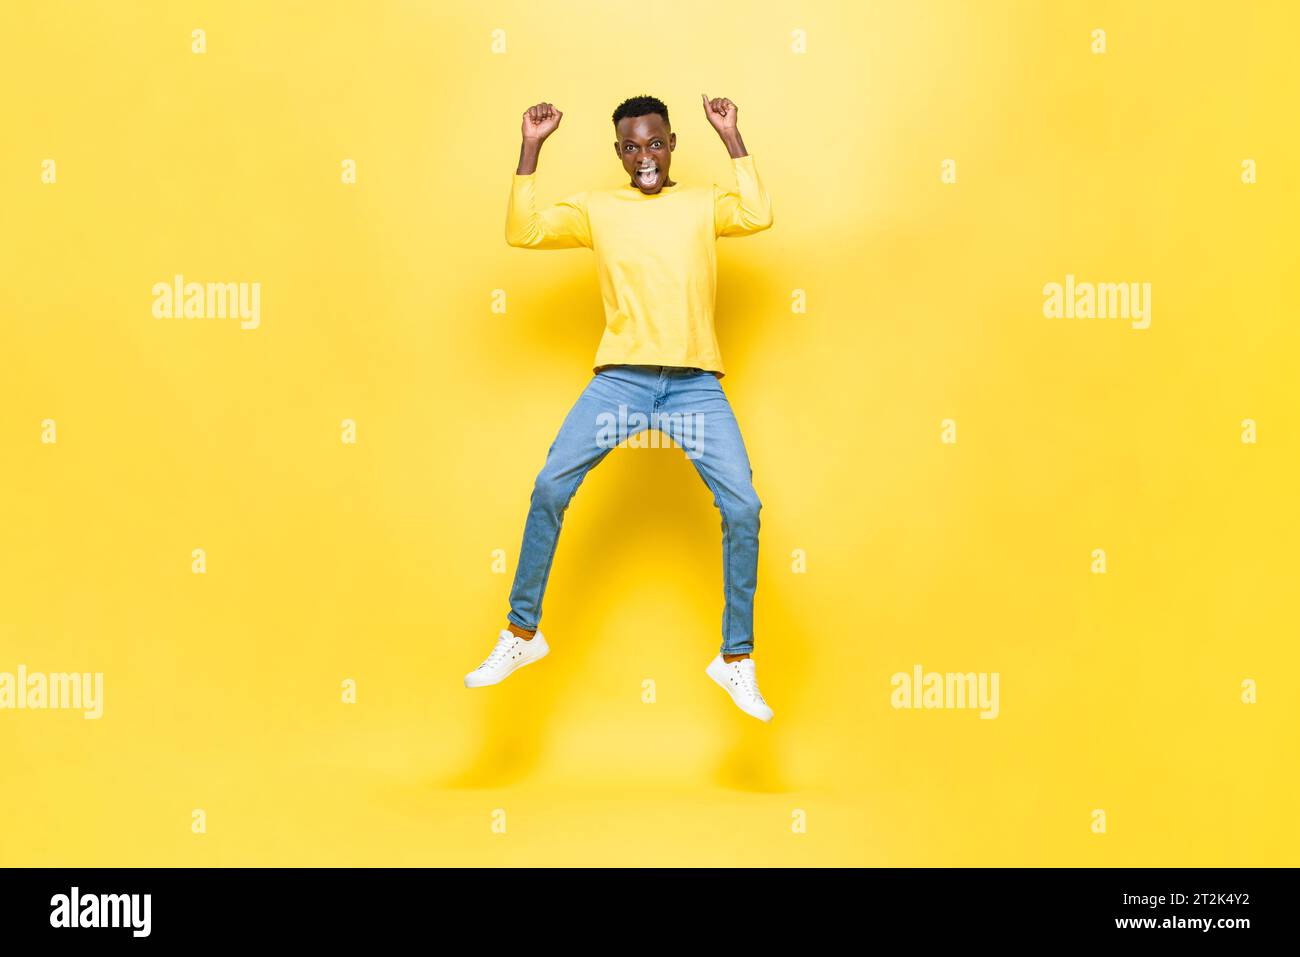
(657,365)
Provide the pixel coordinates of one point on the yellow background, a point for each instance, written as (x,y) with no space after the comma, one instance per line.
(373,562)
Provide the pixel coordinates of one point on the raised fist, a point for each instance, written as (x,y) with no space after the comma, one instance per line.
(721,113)
(540,121)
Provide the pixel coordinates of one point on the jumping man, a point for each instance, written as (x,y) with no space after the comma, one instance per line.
(658,363)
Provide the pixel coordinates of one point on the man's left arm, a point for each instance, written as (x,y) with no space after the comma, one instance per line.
(747,208)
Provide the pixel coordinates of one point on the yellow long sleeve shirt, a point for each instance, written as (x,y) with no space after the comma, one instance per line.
(656,258)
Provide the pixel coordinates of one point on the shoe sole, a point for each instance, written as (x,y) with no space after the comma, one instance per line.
(522,664)
(724,686)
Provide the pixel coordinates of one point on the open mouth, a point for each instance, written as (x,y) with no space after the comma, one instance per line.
(647,176)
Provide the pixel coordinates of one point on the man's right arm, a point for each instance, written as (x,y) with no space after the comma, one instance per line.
(562,225)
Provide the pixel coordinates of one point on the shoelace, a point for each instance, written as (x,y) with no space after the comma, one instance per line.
(500,651)
(748,678)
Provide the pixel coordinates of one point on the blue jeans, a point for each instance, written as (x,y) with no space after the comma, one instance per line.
(620,403)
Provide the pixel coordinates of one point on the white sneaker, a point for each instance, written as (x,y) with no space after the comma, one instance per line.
(737,679)
(511,652)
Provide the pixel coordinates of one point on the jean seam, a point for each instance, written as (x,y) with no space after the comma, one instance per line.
(559,527)
(572,490)
(727,576)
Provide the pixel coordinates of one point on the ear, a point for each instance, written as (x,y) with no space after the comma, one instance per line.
(672,142)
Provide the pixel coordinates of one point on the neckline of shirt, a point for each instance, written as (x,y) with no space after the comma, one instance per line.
(652,195)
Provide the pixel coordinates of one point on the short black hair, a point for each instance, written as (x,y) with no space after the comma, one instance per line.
(642,106)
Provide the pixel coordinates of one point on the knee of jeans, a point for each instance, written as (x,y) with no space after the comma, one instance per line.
(743,511)
(550,493)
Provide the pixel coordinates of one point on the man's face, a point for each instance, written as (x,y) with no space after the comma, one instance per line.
(644,143)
